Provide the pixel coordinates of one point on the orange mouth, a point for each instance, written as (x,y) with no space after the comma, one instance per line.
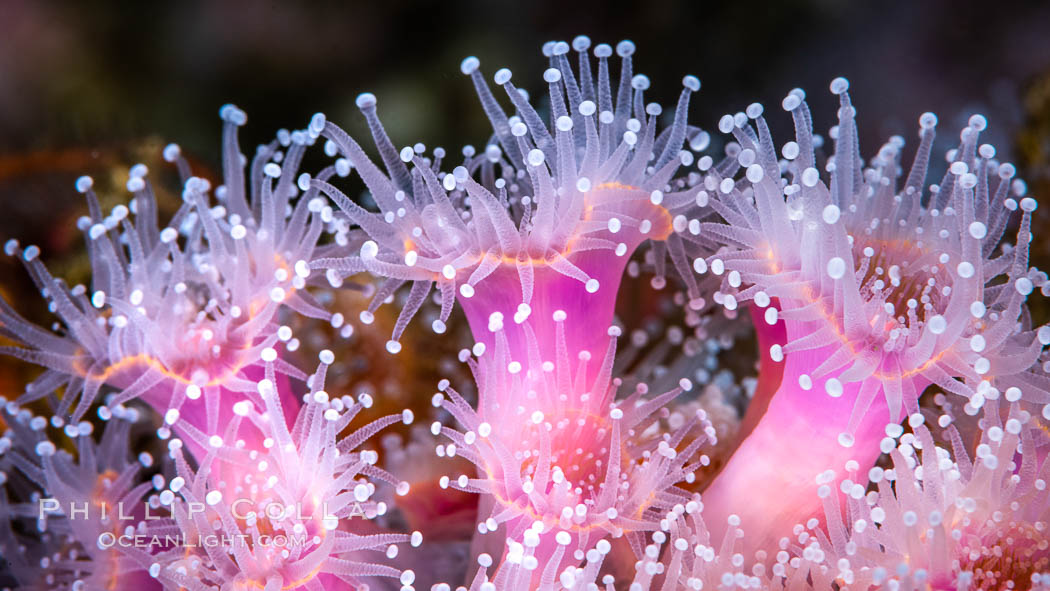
(662,227)
(832,319)
(525,508)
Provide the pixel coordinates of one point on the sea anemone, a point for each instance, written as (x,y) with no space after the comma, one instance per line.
(685,555)
(183,312)
(538,221)
(560,465)
(938,520)
(882,291)
(679,554)
(290,514)
(78,505)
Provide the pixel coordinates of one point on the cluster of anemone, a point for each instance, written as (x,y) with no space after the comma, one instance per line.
(569,461)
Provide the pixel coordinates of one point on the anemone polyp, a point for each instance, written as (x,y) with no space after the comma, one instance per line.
(883,289)
(179,313)
(560,465)
(893,283)
(283,509)
(683,554)
(541,219)
(932,521)
(79,503)
(679,553)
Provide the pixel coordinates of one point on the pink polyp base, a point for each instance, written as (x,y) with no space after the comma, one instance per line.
(770,373)
(770,480)
(136,581)
(588,315)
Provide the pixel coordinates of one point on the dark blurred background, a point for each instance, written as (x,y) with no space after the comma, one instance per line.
(91,87)
(85,74)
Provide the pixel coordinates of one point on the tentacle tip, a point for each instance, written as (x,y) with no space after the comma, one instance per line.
(469,65)
(231,114)
(839,85)
(365,100)
(83,184)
